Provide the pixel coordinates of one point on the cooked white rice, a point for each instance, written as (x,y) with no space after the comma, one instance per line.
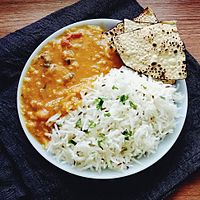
(122,118)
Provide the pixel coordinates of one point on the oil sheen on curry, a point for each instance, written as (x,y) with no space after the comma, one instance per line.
(60,71)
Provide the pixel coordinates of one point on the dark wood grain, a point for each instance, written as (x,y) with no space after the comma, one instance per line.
(16,14)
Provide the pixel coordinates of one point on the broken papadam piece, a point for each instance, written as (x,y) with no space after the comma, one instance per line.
(155,50)
(147,16)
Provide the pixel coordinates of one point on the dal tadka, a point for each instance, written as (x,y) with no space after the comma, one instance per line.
(60,71)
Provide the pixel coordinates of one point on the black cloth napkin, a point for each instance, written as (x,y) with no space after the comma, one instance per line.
(24,174)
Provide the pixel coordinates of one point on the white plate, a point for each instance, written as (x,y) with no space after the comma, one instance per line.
(106,174)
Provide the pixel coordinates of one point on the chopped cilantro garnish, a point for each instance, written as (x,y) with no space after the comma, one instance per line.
(127,134)
(114,87)
(99,103)
(144,87)
(107,114)
(59,124)
(78,123)
(91,124)
(101,139)
(99,143)
(133,105)
(123,99)
(101,134)
(162,97)
(72,142)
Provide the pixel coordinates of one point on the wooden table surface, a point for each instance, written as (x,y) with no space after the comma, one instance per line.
(16,14)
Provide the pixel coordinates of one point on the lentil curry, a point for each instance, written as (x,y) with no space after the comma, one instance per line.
(63,67)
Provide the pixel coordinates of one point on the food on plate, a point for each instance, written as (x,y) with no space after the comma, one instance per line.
(101,99)
(63,67)
(155,50)
(123,117)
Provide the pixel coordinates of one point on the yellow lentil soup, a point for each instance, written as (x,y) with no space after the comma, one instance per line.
(62,68)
